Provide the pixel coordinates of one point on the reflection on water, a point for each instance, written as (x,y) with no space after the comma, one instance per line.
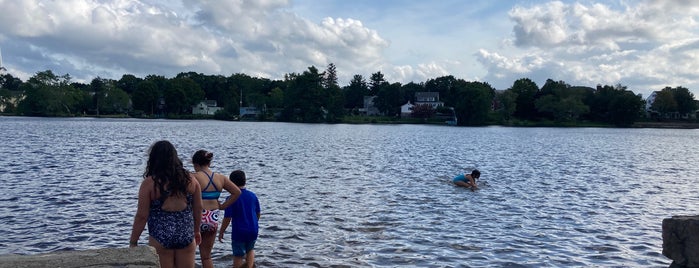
(366,195)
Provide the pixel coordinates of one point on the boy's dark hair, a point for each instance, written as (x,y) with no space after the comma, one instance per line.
(475,173)
(238,177)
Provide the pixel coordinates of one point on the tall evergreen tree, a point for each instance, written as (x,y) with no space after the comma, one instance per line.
(355,92)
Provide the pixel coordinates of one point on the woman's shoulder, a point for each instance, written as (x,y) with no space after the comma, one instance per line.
(198,175)
(220,176)
(193,184)
(148,180)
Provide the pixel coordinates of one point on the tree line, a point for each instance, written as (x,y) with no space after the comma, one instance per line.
(315,96)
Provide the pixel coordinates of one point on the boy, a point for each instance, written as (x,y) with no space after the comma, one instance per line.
(244,214)
(468,180)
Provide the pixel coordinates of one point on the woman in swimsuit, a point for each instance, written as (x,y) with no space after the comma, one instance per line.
(212,184)
(169,201)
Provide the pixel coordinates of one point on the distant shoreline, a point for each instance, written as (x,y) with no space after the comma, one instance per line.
(379,121)
(673,125)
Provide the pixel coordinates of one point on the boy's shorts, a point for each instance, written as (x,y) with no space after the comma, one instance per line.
(240,248)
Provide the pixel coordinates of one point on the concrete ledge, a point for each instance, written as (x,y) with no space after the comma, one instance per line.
(138,257)
(681,241)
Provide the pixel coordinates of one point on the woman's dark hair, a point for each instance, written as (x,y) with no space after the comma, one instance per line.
(202,158)
(166,168)
(475,174)
(238,178)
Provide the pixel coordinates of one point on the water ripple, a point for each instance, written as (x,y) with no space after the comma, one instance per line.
(367,195)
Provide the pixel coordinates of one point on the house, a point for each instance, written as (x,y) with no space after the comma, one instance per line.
(207,107)
(406,109)
(369,108)
(649,103)
(430,98)
(651,113)
(250,112)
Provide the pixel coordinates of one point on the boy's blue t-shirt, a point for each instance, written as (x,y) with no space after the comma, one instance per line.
(243,214)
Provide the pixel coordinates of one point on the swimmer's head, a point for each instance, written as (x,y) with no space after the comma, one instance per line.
(475,174)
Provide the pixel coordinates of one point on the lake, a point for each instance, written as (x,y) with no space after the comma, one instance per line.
(366,195)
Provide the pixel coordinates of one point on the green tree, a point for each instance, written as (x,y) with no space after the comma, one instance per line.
(216,87)
(145,97)
(526,91)
(9,91)
(330,76)
(334,99)
(303,100)
(446,86)
(276,98)
(665,103)
(561,102)
(99,88)
(116,101)
(408,90)
(175,99)
(334,104)
(306,99)
(6,104)
(389,99)
(192,93)
(685,100)
(376,83)
(355,92)
(507,104)
(625,108)
(9,82)
(49,95)
(473,102)
(128,83)
(615,105)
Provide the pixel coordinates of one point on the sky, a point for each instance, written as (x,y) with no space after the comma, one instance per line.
(643,45)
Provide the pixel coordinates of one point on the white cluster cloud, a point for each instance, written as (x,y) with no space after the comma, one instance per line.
(90,38)
(647,46)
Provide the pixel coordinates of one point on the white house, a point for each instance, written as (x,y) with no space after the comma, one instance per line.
(650,100)
(430,98)
(406,109)
(206,107)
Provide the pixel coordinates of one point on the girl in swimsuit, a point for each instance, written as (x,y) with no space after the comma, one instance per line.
(212,184)
(468,180)
(169,201)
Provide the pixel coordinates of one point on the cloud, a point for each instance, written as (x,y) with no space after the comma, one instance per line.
(649,46)
(646,45)
(109,38)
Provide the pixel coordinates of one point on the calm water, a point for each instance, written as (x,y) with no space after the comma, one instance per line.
(366,195)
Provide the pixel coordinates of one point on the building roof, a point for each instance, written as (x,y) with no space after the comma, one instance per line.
(426,96)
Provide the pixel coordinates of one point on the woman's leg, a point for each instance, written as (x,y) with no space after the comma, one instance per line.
(207,244)
(184,257)
(166,257)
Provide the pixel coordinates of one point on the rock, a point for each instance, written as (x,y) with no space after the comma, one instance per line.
(681,240)
(138,257)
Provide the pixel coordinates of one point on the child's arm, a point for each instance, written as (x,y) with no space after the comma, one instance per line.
(472,182)
(224,226)
(233,190)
